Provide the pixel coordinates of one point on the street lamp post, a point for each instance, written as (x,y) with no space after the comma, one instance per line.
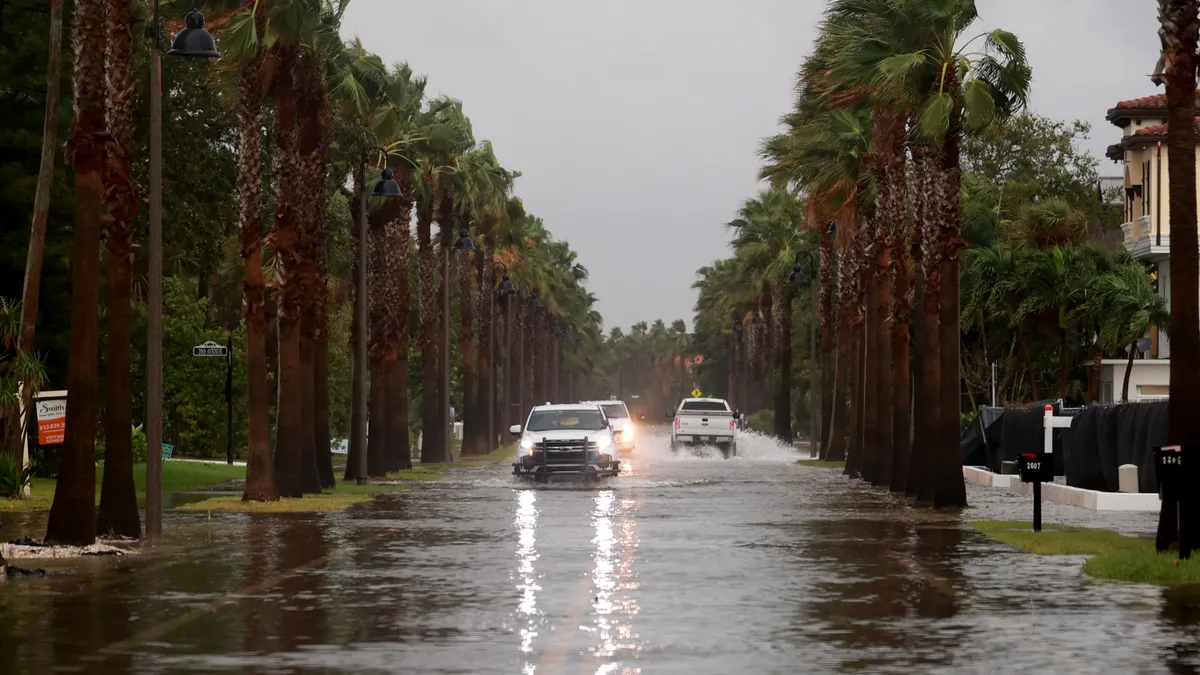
(463,243)
(386,187)
(806,274)
(196,42)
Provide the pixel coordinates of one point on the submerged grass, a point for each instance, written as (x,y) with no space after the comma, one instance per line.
(347,493)
(177,477)
(1115,556)
(821,464)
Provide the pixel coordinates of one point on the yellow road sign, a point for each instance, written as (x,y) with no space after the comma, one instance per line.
(695,393)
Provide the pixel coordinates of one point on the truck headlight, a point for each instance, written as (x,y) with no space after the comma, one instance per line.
(627,433)
(526,445)
(603,443)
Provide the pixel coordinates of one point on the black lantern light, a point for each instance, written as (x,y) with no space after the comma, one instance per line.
(194,40)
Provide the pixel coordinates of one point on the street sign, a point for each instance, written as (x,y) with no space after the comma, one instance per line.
(167,451)
(210,348)
(696,392)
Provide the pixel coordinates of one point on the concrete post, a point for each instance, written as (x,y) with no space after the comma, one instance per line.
(1127,480)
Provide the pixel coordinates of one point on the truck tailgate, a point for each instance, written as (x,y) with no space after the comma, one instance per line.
(704,424)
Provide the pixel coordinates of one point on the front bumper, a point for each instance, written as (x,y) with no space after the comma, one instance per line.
(538,466)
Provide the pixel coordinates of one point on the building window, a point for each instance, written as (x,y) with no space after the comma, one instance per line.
(1106,392)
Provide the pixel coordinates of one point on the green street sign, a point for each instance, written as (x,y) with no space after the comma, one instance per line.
(167,450)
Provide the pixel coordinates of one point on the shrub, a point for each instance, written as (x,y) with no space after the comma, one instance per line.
(13,478)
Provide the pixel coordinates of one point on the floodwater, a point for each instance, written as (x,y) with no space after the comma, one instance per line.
(681,565)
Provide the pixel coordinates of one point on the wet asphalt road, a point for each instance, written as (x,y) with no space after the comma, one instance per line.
(681,565)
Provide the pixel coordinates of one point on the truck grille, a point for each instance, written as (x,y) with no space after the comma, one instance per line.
(564,451)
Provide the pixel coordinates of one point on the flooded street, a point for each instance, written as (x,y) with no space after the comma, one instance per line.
(680,565)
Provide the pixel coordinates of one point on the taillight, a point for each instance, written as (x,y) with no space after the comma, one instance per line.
(731,425)
(676,424)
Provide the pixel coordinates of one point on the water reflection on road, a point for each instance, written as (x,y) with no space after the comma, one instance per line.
(685,564)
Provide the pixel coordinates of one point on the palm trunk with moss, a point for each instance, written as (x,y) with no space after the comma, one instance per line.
(118,512)
(1179,28)
(73,513)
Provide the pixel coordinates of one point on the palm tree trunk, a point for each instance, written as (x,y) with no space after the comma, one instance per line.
(1179,40)
(783,392)
(118,511)
(950,490)
(854,452)
(399,253)
(73,513)
(1128,371)
(871,377)
(428,336)
(468,368)
(826,345)
(357,407)
(924,411)
(486,367)
(381,276)
(314,145)
(516,378)
(41,212)
(835,451)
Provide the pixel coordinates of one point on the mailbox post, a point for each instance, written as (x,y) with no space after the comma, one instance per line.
(1038,467)
(1173,471)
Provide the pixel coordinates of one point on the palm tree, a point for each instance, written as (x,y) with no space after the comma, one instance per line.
(917,53)
(1178,34)
(118,512)
(765,241)
(243,48)
(1128,306)
(73,513)
(399,123)
(450,136)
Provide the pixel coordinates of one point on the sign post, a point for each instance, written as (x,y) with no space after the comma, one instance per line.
(225,351)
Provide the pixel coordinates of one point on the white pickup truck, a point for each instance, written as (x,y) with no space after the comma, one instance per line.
(706,421)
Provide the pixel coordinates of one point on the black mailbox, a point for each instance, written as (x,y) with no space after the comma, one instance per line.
(1036,467)
(1171,471)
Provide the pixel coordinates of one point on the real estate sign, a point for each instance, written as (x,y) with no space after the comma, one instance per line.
(52,420)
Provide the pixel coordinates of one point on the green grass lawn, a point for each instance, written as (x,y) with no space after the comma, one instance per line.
(1113,556)
(821,464)
(177,477)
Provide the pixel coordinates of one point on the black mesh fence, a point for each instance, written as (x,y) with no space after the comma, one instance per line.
(1088,454)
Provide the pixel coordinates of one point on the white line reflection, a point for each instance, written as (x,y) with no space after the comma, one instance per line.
(614,582)
(526,523)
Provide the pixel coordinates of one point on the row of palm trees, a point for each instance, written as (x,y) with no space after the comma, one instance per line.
(869,163)
(652,362)
(296,86)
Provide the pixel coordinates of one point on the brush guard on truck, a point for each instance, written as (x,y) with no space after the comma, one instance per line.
(576,458)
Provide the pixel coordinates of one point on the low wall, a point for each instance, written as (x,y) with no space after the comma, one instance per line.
(1065,494)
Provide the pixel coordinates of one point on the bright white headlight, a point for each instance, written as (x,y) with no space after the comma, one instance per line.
(604,442)
(526,443)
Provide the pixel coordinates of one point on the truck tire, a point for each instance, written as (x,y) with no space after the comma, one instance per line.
(674,445)
(726,450)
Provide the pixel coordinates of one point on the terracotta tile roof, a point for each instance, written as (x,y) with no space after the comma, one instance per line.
(1155,103)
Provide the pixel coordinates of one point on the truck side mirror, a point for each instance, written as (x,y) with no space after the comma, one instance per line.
(515,430)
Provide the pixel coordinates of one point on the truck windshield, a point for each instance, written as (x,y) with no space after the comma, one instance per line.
(705,406)
(615,411)
(565,420)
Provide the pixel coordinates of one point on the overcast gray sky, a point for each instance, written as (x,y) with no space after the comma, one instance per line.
(635,123)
